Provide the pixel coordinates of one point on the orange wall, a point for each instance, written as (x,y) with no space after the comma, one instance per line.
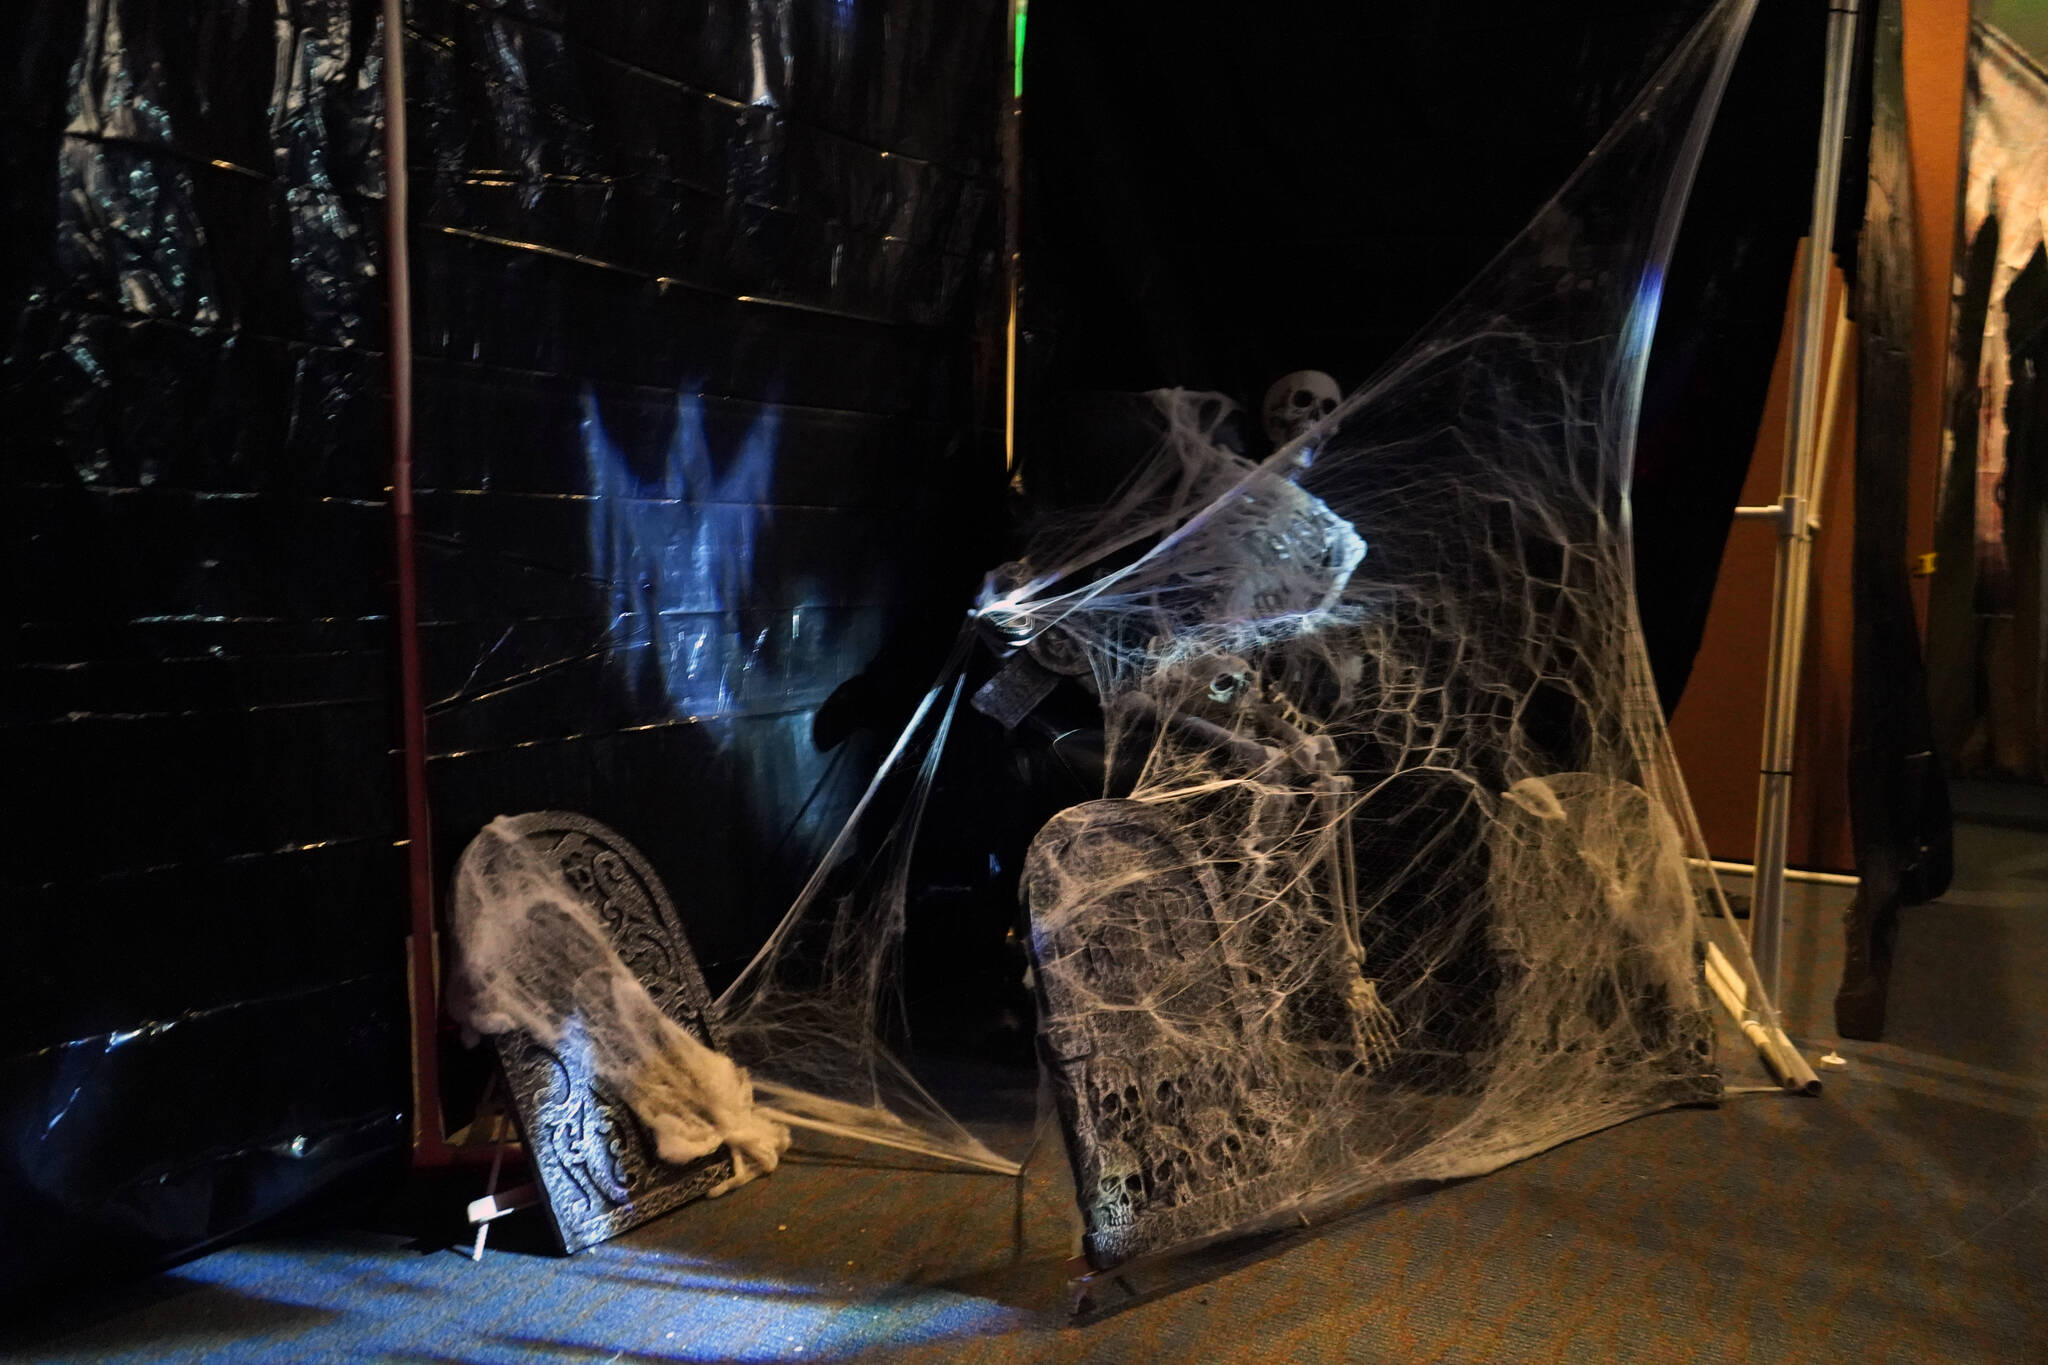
(1718,730)
(1719,725)
(1937,43)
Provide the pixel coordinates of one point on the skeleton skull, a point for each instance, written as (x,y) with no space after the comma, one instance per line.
(1297,402)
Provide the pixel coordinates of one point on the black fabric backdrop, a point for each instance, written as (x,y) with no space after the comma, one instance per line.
(1211,202)
(701,304)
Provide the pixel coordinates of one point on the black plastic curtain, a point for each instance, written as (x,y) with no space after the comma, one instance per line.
(1212,202)
(702,300)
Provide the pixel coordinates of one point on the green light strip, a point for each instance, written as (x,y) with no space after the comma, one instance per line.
(1017,51)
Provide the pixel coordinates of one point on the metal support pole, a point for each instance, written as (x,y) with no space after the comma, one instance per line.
(1013,192)
(1795,534)
(422,961)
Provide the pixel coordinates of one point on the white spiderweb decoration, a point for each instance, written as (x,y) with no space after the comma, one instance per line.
(538,960)
(1395,884)
(1401,888)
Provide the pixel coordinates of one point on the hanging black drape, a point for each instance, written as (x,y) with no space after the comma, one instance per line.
(1898,797)
(1216,196)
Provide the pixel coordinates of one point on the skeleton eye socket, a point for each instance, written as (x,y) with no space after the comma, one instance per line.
(1327,406)
(1301,398)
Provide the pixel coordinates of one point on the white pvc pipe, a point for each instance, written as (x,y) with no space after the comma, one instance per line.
(1792,874)
(1784,1061)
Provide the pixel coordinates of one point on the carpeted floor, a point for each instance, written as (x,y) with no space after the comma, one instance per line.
(1902,1215)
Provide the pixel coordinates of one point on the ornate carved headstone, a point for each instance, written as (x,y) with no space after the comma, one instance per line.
(592,1159)
(1167,1113)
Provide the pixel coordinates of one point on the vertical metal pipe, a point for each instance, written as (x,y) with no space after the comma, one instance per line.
(1013,189)
(423,959)
(1795,531)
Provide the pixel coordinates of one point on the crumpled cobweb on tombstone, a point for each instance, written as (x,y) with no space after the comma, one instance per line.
(538,959)
(1401,889)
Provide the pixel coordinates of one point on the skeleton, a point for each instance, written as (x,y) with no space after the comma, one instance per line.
(1227,977)
(1227,981)
(1298,401)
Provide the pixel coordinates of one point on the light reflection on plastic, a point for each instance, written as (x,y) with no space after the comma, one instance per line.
(64,1109)
(1641,327)
(678,552)
(763,98)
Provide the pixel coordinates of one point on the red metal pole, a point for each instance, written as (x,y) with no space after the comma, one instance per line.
(429,1136)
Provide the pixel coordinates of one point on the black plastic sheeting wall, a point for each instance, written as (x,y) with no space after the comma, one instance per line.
(204,1005)
(1305,192)
(696,303)
(701,299)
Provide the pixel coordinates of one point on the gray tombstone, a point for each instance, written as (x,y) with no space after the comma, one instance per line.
(594,1162)
(1170,1117)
